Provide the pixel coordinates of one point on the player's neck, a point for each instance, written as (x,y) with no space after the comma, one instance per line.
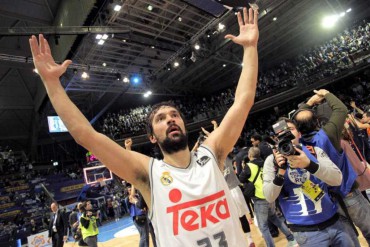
(179,159)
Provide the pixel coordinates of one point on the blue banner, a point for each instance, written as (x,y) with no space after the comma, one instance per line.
(66,190)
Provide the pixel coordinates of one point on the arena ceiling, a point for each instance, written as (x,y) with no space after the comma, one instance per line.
(141,41)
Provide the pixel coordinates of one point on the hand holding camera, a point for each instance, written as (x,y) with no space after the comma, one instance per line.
(298,161)
(281,161)
(90,213)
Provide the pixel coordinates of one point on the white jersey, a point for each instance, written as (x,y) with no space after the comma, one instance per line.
(193,206)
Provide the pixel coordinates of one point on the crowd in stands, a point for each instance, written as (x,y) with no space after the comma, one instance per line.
(322,61)
(25,207)
(340,53)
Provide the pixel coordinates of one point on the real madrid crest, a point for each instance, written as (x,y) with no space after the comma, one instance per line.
(166,178)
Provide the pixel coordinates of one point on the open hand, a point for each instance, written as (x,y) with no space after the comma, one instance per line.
(44,62)
(248,29)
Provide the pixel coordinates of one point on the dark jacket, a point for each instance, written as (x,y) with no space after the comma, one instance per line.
(246,172)
(61,223)
(265,150)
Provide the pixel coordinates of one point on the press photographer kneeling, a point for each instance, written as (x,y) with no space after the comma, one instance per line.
(89,229)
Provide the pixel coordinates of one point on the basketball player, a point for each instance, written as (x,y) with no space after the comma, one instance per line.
(188,198)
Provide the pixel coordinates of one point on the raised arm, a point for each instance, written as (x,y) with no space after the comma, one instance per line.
(129,165)
(353,105)
(224,137)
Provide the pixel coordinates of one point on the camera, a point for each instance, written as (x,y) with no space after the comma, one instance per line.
(284,138)
(91,213)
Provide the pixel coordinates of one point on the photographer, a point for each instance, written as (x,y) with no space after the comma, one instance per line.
(89,229)
(138,212)
(300,182)
(263,209)
(327,140)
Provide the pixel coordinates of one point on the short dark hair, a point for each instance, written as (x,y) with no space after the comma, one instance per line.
(367,114)
(256,137)
(155,108)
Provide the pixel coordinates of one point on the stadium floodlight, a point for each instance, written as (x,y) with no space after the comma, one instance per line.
(117,7)
(84,75)
(126,79)
(329,21)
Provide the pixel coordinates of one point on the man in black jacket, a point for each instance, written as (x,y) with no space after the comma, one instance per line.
(58,226)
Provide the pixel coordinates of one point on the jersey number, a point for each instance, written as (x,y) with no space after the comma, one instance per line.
(207,242)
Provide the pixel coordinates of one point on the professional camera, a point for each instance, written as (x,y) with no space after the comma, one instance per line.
(284,138)
(91,213)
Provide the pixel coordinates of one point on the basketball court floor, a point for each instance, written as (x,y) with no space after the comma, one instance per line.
(124,234)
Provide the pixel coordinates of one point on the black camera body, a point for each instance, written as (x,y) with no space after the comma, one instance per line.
(284,138)
(92,213)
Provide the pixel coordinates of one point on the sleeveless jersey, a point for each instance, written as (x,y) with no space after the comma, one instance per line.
(321,140)
(193,206)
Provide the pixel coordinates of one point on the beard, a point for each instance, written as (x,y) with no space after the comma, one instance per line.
(173,145)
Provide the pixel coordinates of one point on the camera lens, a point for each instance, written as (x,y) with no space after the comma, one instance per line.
(286,148)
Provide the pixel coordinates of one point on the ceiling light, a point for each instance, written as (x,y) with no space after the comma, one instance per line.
(84,75)
(149,92)
(342,14)
(105,36)
(104,64)
(329,21)
(176,64)
(254,6)
(196,46)
(135,79)
(126,80)
(152,47)
(98,36)
(224,65)
(180,19)
(349,10)
(274,19)
(124,41)
(101,42)
(150,7)
(117,7)
(221,26)
(146,95)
